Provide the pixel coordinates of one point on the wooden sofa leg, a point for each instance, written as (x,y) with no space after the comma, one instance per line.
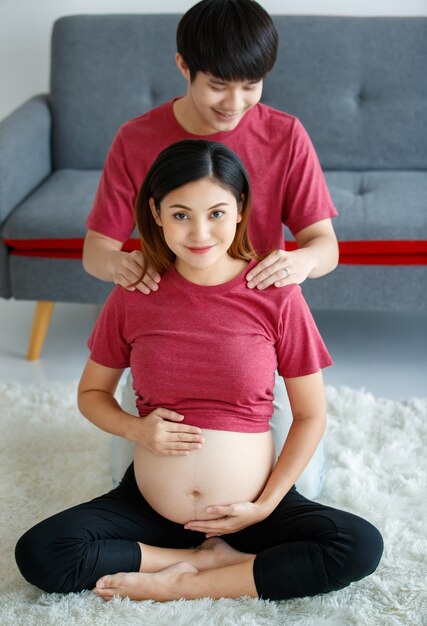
(41,322)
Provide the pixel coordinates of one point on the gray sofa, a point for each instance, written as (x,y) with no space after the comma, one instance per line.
(358,85)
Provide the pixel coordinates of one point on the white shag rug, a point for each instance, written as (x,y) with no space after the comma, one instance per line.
(52,458)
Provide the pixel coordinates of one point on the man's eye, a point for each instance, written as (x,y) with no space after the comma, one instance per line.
(180,216)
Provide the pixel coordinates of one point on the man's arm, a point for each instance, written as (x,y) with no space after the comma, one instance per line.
(104,259)
(316,256)
(319,243)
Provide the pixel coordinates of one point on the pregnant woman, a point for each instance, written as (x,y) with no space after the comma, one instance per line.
(223,519)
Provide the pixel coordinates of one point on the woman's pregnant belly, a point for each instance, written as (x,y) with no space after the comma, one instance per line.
(229,467)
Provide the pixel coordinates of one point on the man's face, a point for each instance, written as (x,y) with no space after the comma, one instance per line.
(214,105)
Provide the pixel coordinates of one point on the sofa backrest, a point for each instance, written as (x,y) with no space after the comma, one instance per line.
(358,84)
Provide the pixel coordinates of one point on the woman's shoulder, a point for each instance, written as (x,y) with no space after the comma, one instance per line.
(281,296)
(121,298)
(273,303)
(134,297)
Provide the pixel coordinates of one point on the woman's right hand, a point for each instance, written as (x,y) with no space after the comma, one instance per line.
(160,433)
(128,269)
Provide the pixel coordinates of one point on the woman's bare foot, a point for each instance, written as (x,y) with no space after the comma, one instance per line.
(216,552)
(212,553)
(159,586)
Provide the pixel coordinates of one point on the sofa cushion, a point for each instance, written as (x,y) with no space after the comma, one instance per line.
(55,211)
(369,288)
(55,280)
(379,205)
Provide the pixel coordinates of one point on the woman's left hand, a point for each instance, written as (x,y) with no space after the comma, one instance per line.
(234,517)
(281,268)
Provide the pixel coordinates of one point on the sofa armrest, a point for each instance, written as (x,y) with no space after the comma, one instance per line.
(25,152)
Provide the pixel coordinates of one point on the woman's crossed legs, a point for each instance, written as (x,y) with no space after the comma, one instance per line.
(118,544)
(215,569)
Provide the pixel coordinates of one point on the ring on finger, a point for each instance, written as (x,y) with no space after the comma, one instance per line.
(288,273)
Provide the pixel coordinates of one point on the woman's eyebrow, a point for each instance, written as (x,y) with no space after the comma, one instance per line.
(182,206)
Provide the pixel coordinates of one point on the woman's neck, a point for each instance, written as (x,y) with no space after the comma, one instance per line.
(218,274)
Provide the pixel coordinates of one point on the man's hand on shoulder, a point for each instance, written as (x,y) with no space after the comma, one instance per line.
(128,271)
(104,258)
(317,255)
(280,268)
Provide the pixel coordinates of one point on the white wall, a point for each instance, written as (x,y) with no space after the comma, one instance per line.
(25,27)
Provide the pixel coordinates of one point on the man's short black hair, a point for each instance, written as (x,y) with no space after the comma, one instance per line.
(234,40)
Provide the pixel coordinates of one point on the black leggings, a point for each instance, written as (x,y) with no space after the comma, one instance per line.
(303,548)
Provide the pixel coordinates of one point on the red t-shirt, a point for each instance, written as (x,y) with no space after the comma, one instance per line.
(209,352)
(287,181)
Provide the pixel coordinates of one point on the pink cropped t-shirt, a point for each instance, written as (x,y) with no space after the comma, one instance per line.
(209,352)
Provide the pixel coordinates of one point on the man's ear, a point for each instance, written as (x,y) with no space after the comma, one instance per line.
(155,213)
(182,66)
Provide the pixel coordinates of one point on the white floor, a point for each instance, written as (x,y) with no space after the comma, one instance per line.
(384,353)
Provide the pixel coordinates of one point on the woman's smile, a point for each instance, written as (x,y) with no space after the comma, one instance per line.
(200,250)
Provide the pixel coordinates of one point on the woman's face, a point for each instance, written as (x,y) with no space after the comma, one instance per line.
(199,223)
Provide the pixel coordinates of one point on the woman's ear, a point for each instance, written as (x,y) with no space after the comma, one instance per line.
(182,66)
(155,213)
(240,208)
